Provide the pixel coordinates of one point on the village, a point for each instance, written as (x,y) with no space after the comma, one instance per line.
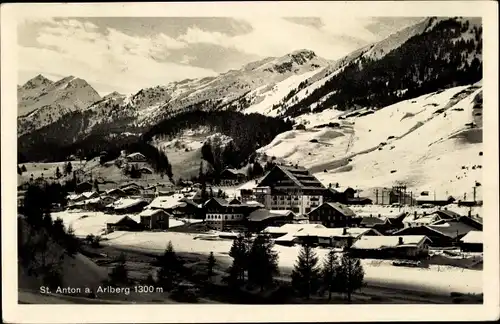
(290,205)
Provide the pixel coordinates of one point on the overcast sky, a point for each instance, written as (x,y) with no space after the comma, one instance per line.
(127,54)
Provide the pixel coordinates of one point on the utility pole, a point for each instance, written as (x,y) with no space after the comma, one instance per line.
(474,193)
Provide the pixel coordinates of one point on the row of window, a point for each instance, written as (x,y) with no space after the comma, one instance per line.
(326,217)
(224,217)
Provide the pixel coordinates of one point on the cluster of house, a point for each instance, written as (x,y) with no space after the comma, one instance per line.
(291,205)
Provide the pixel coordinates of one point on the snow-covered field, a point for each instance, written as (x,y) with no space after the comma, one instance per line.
(442,278)
(424,148)
(85,222)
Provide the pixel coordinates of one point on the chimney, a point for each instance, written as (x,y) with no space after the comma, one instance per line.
(469,213)
(344,232)
(329,185)
(400,240)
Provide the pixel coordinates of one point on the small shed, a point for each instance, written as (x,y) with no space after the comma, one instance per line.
(472,242)
(124,224)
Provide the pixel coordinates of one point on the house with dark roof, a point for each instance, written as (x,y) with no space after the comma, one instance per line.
(472,242)
(125,223)
(221,214)
(231,177)
(290,188)
(332,215)
(116,192)
(154,219)
(84,187)
(442,234)
(344,196)
(387,247)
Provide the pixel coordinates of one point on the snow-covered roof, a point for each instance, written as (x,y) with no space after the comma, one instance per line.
(92,201)
(291,228)
(262,214)
(89,194)
(124,203)
(168,202)
(136,154)
(110,191)
(286,238)
(334,232)
(74,196)
(474,237)
(380,242)
(254,203)
(150,212)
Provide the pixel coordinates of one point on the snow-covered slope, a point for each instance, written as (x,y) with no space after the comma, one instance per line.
(425,143)
(42,102)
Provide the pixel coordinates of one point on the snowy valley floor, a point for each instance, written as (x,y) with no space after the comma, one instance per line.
(385,283)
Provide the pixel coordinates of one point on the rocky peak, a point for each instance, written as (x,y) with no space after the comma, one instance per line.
(38,81)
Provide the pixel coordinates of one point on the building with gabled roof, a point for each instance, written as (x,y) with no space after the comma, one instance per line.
(443,234)
(136,157)
(472,242)
(290,188)
(230,177)
(155,219)
(332,215)
(401,246)
(222,214)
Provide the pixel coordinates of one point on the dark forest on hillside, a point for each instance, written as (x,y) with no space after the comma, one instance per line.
(248,131)
(428,62)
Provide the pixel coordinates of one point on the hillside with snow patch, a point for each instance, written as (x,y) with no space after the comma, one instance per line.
(426,143)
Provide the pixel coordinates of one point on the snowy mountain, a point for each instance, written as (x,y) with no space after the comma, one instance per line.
(384,114)
(432,142)
(42,102)
(115,113)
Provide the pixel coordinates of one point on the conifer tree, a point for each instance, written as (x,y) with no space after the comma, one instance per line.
(23,168)
(211,265)
(239,252)
(262,262)
(170,268)
(350,275)
(58,173)
(329,273)
(19,171)
(119,274)
(306,273)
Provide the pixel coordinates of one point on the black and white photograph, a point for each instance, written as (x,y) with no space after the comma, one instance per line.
(204,159)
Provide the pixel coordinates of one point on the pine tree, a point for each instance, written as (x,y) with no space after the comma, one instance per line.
(329,273)
(58,173)
(239,252)
(211,265)
(119,274)
(23,168)
(262,262)
(69,168)
(19,171)
(170,268)
(350,275)
(306,273)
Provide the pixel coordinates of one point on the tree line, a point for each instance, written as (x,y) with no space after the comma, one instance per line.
(256,263)
(44,243)
(248,131)
(436,59)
